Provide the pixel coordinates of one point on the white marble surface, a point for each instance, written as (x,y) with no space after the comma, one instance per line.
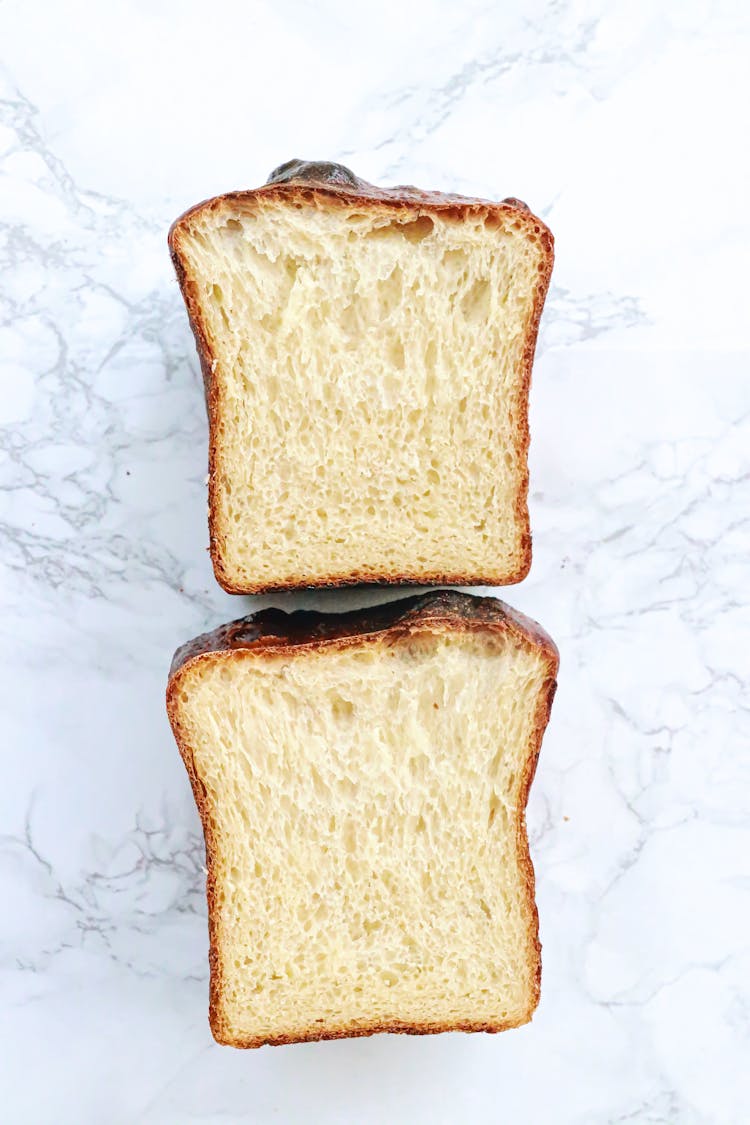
(625,126)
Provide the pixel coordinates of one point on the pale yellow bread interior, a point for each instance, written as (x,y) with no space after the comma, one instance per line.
(369,369)
(364,812)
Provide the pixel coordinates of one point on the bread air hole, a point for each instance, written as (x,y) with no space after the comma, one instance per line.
(476,302)
(415,230)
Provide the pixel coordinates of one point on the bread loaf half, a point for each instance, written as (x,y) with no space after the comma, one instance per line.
(362,780)
(367,355)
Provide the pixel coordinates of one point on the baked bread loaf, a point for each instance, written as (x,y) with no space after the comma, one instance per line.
(367,355)
(362,781)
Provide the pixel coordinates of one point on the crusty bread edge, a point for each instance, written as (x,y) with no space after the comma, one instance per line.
(368,196)
(265,633)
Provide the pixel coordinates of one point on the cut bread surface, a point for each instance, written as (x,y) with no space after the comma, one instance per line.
(367,355)
(362,781)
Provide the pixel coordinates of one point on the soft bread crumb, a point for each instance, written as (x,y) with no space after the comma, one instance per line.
(370,382)
(364,809)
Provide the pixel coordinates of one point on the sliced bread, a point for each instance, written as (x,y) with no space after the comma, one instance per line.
(367,357)
(362,780)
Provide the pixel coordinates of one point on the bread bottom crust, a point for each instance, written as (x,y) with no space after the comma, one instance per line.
(373,578)
(225,1037)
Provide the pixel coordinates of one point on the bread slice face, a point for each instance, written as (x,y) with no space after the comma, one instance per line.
(362,781)
(367,356)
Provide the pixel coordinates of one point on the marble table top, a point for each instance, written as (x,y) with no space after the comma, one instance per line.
(623,125)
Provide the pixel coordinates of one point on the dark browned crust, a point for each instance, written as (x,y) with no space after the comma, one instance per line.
(321,183)
(273,631)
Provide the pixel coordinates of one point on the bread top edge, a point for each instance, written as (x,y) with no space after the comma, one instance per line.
(335,185)
(274,630)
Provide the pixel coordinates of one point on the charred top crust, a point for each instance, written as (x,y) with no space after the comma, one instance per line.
(315,171)
(303,180)
(322,173)
(276,629)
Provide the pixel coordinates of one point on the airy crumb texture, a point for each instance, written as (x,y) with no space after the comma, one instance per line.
(362,782)
(367,356)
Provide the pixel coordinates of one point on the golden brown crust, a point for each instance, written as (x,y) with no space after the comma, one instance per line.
(359,1031)
(375,578)
(274,631)
(318,181)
